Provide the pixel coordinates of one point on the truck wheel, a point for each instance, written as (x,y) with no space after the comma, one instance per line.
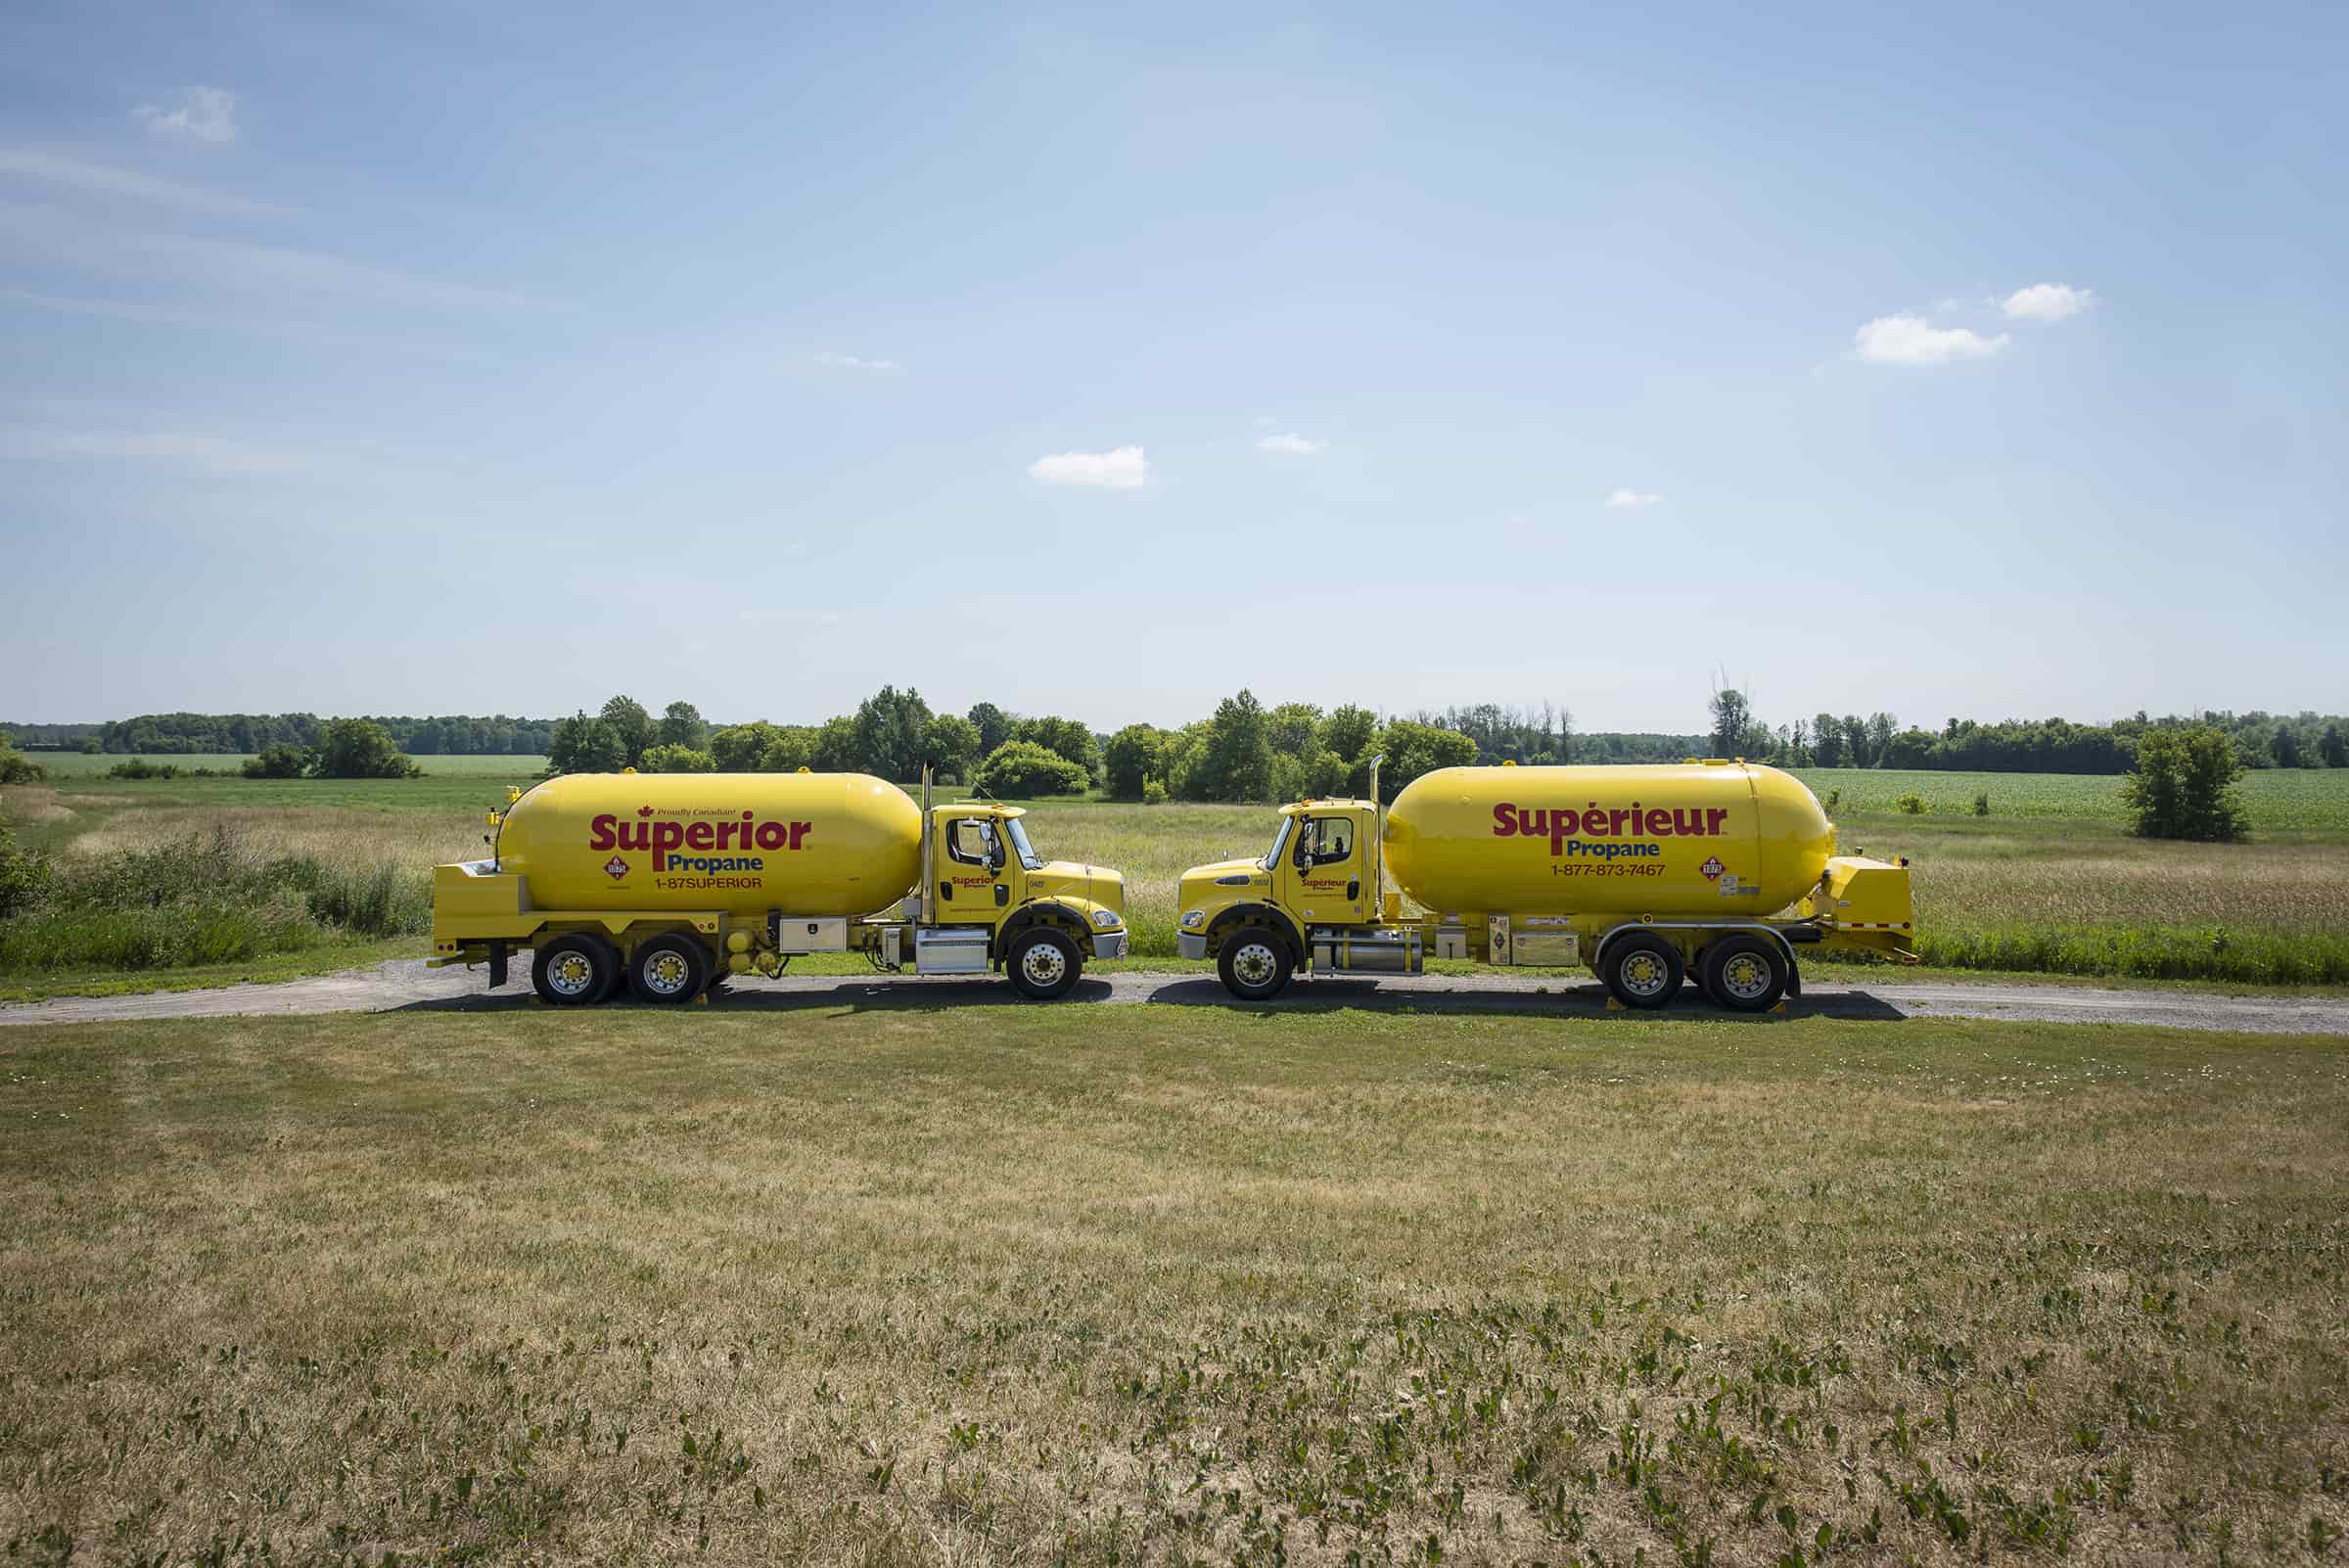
(1255,964)
(574,971)
(1643,970)
(1744,974)
(670,968)
(1044,965)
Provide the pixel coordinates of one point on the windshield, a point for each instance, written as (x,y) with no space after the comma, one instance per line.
(1272,857)
(1020,845)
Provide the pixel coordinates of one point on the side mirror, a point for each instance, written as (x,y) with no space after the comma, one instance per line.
(994,859)
(1301,857)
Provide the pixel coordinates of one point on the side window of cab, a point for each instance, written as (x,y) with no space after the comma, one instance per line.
(972,840)
(1333,839)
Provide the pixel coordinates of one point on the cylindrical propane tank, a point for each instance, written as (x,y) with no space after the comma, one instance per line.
(1697,839)
(805,843)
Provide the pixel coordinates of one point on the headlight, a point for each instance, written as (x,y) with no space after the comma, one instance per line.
(1194,920)
(1105,918)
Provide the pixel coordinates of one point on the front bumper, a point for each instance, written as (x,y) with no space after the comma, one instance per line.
(1109,944)
(1192,943)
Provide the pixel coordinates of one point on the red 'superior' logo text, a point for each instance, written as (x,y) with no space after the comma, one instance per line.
(1560,823)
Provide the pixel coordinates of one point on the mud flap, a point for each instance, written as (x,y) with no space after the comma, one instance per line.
(1794,979)
(498,964)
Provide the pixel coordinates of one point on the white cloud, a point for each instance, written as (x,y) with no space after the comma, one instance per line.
(852,363)
(203,454)
(1290,445)
(1633,498)
(1905,339)
(1121,468)
(2047,302)
(28,163)
(205,115)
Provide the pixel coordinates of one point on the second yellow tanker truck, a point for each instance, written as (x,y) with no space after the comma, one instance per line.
(1723,870)
(666,881)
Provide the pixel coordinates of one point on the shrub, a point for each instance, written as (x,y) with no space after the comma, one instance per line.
(2184,786)
(359,748)
(378,900)
(18,768)
(1154,792)
(24,875)
(1834,796)
(1025,770)
(140,767)
(670,758)
(278,762)
(1911,804)
(1982,804)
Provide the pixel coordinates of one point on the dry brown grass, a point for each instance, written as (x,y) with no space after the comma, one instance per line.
(1040,1285)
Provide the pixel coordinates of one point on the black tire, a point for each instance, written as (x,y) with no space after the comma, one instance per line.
(1255,963)
(1044,965)
(668,969)
(574,971)
(1744,974)
(1643,970)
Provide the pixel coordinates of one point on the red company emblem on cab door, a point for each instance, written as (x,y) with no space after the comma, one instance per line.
(616,868)
(1712,869)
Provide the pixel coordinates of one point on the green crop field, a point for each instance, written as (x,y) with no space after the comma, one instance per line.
(2047,883)
(1099,1286)
(79,765)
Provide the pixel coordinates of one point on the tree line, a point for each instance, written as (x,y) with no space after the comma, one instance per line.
(249,734)
(2259,739)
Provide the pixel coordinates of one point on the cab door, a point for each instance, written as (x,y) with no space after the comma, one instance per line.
(972,878)
(1323,869)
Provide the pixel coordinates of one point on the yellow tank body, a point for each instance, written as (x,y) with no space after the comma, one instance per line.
(807,844)
(1697,839)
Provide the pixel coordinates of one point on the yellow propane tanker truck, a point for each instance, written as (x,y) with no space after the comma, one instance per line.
(1724,870)
(673,879)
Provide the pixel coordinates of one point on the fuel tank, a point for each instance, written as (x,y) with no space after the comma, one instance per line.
(1696,838)
(807,844)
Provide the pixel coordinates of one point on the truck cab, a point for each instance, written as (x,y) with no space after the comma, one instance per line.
(989,900)
(1254,916)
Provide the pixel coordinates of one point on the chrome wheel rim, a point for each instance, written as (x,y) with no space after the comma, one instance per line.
(1644,974)
(667,973)
(1255,964)
(570,974)
(1746,977)
(1044,964)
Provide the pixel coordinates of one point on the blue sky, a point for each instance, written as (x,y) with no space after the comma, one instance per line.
(451,358)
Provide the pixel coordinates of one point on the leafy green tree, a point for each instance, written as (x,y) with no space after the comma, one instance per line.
(1130,760)
(995,726)
(739,748)
(1022,769)
(1293,730)
(1349,731)
(893,731)
(670,757)
(1414,748)
(1235,762)
(583,745)
(951,746)
(682,724)
(1325,776)
(2286,747)
(789,748)
(1827,741)
(632,727)
(1733,715)
(278,762)
(1065,736)
(833,747)
(359,748)
(2184,786)
(2333,748)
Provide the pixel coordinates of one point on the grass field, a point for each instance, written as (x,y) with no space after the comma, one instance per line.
(1099,1286)
(2042,885)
